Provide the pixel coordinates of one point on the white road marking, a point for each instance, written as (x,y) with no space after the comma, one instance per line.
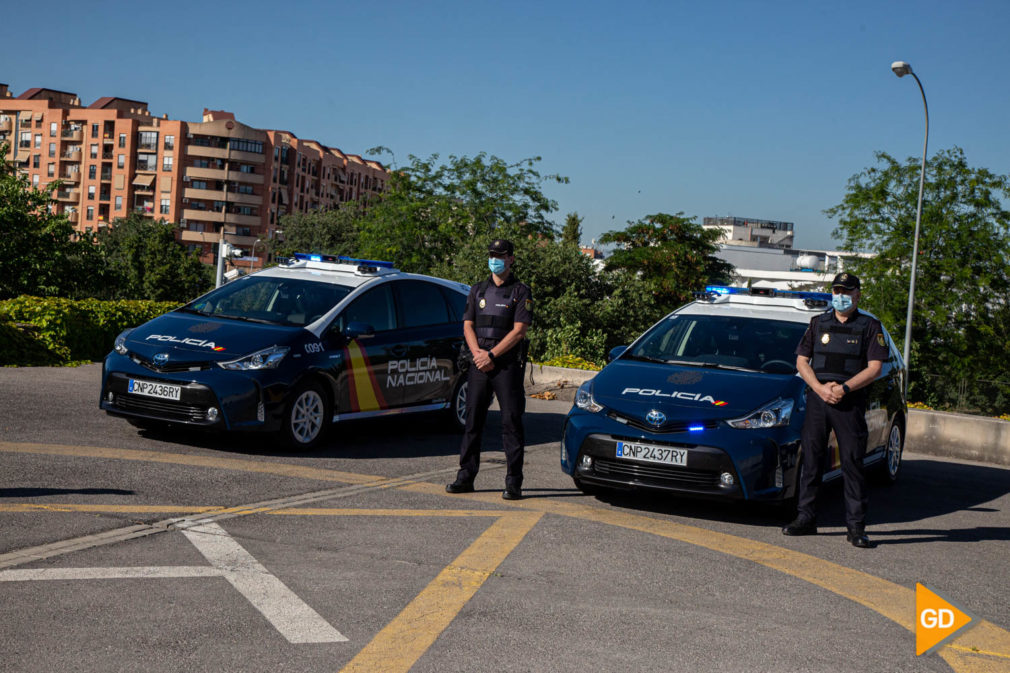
(289,614)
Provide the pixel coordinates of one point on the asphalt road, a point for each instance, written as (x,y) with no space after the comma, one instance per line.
(123,550)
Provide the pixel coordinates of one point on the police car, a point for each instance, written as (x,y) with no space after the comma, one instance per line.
(707,402)
(292,348)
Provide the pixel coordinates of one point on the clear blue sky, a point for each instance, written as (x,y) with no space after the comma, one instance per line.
(754,109)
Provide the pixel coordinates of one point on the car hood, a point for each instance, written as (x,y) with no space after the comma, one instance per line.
(189,337)
(690,393)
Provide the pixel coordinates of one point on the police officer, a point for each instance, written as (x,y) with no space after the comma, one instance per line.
(498,313)
(840,354)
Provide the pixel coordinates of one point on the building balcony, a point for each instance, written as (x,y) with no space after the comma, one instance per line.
(71,177)
(195,173)
(73,216)
(68,195)
(74,155)
(218,216)
(219,195)
(5,125)
(215,237)
(223,153)
(73,135)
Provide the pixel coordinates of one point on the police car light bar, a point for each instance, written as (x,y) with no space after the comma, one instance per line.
(767,292)
(340,259)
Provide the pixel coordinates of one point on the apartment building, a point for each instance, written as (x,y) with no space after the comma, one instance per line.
(748,231)
(113,157)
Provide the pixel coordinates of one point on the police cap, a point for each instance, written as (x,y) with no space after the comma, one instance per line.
(501,247)
(846,281)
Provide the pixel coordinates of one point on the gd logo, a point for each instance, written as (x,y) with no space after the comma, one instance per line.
(937,620)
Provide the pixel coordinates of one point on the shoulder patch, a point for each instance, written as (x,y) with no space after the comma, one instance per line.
(529,304)
(880,339)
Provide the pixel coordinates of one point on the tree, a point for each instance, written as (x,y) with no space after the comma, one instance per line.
(140,259)
(963,276)
(39,252)
(571,233)
(431,209)
(673,254)
(332,231)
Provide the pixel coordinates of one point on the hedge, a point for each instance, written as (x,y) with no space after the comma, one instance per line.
(55,331)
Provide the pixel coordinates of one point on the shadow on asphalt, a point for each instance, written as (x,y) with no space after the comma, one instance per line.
(29,492)
(403,436)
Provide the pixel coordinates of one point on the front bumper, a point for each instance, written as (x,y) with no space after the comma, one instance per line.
(239,401)
(761,463)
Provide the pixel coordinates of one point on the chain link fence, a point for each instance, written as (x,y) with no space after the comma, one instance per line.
(967,396)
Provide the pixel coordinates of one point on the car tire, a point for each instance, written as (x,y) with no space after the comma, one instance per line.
(456,413)
(306,416)
(889,467)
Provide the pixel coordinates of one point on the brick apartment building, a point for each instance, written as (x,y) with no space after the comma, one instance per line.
(113,157)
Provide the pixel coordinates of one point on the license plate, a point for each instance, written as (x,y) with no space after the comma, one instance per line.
(654,454)
(152,389)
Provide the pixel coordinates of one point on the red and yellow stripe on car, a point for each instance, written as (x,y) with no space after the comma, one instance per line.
(364,388)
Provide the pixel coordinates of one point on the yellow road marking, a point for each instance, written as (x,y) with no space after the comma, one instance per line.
(981,649)
(108,509)
(333,511)
(402,642)
(891,600)
(236,464)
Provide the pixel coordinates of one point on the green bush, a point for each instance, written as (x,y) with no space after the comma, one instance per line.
(70,330)
(20,345)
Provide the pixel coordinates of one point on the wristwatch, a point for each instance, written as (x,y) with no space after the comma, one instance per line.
(845,387)
(490,356)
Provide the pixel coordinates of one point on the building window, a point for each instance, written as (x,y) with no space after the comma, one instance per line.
(246,168)
(94,151)
(148,140)
(122,140)
(91,193)
(92,171)
(119,203)
(147,162)
(199,184)
(51,170)
(52,129)
(35,160)
(166,163)
(91,212)
(169,142)
(121,161)
(166,204)
(35,180)
(26,139)
(94,130)
(246,145)
(38,140)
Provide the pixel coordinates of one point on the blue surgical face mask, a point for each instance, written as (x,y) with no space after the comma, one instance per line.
(496,264)
(841,302)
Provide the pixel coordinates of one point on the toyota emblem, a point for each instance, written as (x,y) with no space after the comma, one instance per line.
(160,359)
(656,418)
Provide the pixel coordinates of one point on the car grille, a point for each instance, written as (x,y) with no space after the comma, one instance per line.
(675,426)
(660,474)
(172,366)
(167,409)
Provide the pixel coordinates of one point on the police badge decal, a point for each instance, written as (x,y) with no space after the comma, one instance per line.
(825,338)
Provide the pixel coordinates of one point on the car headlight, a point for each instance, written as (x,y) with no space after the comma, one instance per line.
(771,415)
(120,345)
(584,398)
(268,358)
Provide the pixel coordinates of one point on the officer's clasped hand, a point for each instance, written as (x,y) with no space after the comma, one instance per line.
(482,360)
(831,392)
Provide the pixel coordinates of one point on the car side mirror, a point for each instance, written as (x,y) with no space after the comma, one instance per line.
(615,352)
(358,329)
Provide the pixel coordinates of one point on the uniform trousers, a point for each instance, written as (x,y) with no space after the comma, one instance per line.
(848,420)
(506,382)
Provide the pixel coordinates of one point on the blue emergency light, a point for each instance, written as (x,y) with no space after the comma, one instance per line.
(695,428)
(340,259)
(768,292)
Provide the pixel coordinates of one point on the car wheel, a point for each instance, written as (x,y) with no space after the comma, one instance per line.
(890,466)
(456,413)
(306,417)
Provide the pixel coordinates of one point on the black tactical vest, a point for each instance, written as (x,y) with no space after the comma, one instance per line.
(839,348)
(495,311)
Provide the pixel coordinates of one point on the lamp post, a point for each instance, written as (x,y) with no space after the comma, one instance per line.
(901,69)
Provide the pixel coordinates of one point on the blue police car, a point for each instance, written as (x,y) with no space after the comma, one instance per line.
(293,348)
(707,403)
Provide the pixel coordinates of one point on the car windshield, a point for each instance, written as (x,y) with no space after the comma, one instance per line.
(728,342)
(266,299)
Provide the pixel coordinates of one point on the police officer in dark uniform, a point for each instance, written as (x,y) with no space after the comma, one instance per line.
(840,354)
(498,312)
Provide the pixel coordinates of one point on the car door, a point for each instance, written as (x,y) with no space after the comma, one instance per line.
(424,374)
(365,340)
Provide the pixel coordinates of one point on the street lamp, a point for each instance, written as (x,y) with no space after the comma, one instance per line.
(901,69)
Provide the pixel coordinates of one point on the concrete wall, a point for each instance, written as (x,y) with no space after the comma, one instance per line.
(938,433)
